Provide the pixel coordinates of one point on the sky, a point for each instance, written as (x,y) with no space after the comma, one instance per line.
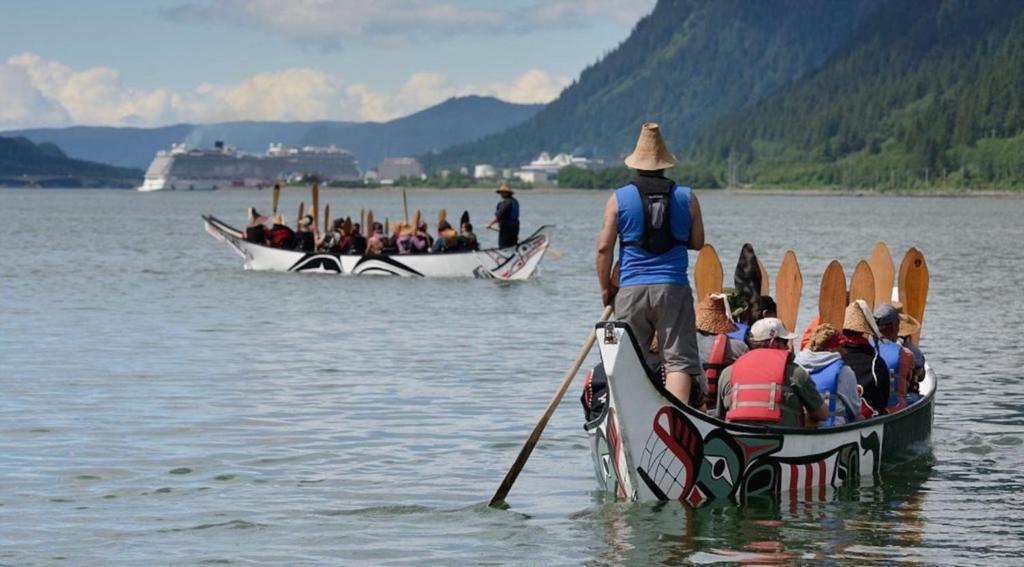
(158,62)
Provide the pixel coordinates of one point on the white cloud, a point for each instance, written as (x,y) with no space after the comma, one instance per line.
(38,92)
(331,23)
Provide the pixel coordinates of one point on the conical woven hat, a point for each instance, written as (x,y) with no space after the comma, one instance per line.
(650,153)
(711,316)
(858,318)
(908,326)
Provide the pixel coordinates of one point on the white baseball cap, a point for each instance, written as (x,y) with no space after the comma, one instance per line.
(770,328)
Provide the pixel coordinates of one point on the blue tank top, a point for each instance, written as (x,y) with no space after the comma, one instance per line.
(740,334)
(890,353)
(827,381)
(638,266)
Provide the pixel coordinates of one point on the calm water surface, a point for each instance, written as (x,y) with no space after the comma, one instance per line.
(161,406)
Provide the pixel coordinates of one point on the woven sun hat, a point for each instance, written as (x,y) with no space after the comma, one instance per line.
(255,217)
(859,319)
(278,219)
(908,326)
(651,153)
(712,317)
(505,189)
(770,328)
(825,337)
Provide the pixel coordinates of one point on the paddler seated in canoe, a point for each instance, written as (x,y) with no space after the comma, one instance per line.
(910,327)
(860,354)
(467,241)
(835,381)
(447,238)
(765,386)
(305,240)
(655,220)
(336,240)
(375,242)
(256,231)
(358,245)
(717,350)
(281,236)
(898,359)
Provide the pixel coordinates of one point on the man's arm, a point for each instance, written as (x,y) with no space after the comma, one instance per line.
(696,224)
(606,250)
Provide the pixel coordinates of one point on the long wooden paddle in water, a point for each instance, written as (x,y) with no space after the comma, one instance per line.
(914,286)
(862,284)
(832,295)
(531,441)
(883,270)
(708,272)
(277,196)
(789,285)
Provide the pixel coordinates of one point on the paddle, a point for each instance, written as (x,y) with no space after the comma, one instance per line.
(707,273)
(277,196)
(316,204)
(302,209)
(327,217)
(362,222)
(405,206)
(883,270)
(368,227)
(862,284)
(832,295)
(789,285)
(913,284)
(531,441)
(764,278)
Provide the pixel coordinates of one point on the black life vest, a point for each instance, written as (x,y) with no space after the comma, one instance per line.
(358,244)
(304,241)
(861,359)
(256,234)
(656,195)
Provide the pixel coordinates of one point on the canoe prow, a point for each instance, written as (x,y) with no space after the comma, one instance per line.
(647,446)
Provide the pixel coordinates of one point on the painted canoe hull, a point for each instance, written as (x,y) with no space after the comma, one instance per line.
(646,447)
(519,262)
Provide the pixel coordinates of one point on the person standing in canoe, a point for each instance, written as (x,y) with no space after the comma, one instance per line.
(655,221)
(506,216)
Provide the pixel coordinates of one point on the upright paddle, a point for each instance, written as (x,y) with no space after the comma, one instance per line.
(327,217)
(531,441)
(405,205)
(302,210)
(862,284)
(316,205)
(883,270)
(277,196)
(914,286)
(362,222)
(765,290)
(708,272)
(789,285)
(832,295)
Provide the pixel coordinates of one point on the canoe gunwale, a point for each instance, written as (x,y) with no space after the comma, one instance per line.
(921,405)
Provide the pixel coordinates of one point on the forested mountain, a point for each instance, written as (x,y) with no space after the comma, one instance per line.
(454,121)
(925,92)
(685,64)
(25,163)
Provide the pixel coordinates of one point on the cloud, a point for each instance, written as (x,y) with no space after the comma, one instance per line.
(38,92)
(329,24)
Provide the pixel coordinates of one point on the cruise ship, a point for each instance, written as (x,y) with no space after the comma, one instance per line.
(186,169)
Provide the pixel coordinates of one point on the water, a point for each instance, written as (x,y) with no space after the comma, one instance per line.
(161,406)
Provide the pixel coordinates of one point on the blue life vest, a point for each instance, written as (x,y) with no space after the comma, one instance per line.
(827,381)
(638,266)
(740,334)
(890,353)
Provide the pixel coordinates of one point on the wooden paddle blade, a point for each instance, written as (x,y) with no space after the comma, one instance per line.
(913,282)
(464,218)
(862,284)
(764,278)
(405,205)
(362,221)
(277,196)
(387,225)
(368,227)
(747,280)
(707,272)
(417,219)
(442,216)
(327,217)
(832,295)
(883,270)
(302,208)
(316,203)
(789,285)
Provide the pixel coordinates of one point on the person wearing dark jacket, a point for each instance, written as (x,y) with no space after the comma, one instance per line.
(506,216)
(305,240)
(862,356)
(280,235)
(256,232)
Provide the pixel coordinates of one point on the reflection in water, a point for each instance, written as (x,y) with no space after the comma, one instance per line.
(879,521)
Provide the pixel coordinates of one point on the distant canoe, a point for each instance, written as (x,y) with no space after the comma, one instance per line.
(648,448)
(518,262)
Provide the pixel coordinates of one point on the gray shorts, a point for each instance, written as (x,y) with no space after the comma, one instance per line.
(667,309)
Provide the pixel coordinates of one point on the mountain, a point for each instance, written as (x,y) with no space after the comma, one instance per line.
(685,64)
(25,163)
(925,92)
(454,121)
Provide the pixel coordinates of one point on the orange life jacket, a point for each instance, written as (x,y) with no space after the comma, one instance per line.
(713,368)
(756,386)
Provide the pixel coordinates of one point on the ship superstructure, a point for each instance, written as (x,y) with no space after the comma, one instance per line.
(186,169)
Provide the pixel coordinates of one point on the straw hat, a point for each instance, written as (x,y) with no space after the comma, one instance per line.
(505,189)
(650,153)
(824,337)
(712,317)
(908,326)
(859,319)
(255,217)
(278,219)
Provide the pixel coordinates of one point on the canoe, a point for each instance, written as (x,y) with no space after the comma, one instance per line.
(518,262)
(647,447)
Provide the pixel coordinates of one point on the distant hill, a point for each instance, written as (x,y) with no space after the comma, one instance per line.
(454,121)
(25,163)
(684,65)
(924,93)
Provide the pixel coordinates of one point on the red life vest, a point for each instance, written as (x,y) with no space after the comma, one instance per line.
(713,368)
(756,386)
